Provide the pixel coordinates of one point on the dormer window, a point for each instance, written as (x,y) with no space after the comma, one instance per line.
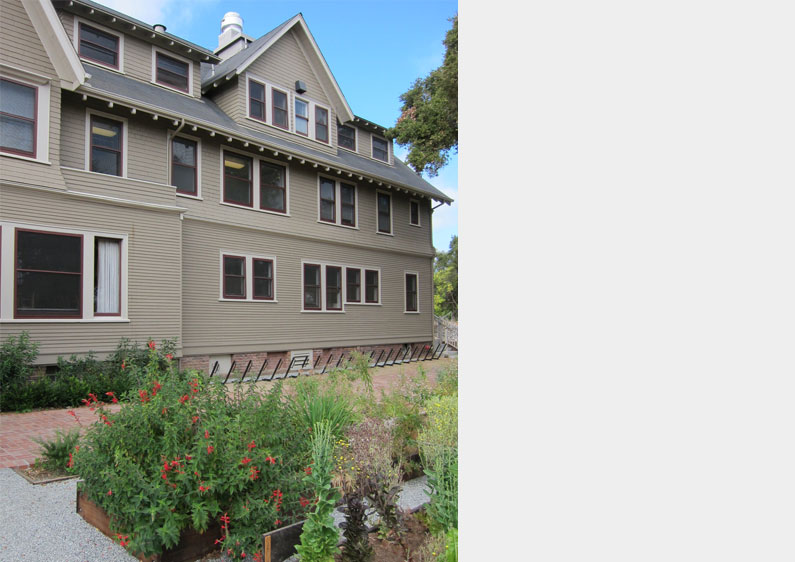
(256,100)
(321,124)
(99,46)
(380,149)
(346,137)
(280,109)
(172,73)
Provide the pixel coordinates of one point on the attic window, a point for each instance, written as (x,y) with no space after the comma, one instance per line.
(98,46)
(346,137)
(172,73)
(380,149)
(280,109)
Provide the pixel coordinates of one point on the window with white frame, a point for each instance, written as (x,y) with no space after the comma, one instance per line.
(302,117)
(24,116)
(61,274)
(256,100)
(414,212)
(106,139)
(380,149)
(99,45)
(247,277)
(412,291)
(321,124)
(346,137)
(242,173)
(172,71)
(337,202)
(326,286)
(185,168)
(384,212)
(280,111)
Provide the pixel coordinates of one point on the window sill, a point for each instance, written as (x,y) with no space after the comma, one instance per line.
(95,320)
(411,312)
(362,304)
(26,158)
(186,196)
(415,225)
(102,66)
(323,311)
(255,210)
(338,225)
(384,233)
(170,89)
(247,300)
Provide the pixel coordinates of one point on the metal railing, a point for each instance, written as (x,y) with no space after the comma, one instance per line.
(298,365)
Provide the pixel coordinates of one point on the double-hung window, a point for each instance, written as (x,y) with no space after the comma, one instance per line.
(346,137)
(384,206)
(273,187)
(172,72)
(337,202)
(312,287)
(246,277)
(301,117)
(64,275)
(185,166)
(333,287)
(412,292)
(380,149)
(256,100)
(99,46)
(18,113)
(414,212)
(280,109)
(372,292)
(321,124)
(237,179)
(106,146)
(353,285)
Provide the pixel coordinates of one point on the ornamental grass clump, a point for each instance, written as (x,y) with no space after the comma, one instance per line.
(181,453)
(319,536)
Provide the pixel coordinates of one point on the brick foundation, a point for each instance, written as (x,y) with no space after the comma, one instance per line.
(321,357)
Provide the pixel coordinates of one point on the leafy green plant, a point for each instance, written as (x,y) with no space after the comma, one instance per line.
(447,381)
(55,453)
(184,453)
(319,536)
(313,404)
(17,355)
(438,444)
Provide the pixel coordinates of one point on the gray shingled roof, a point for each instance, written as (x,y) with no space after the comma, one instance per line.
(205,113)
(214,72)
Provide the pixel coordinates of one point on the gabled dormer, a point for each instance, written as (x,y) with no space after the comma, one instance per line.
(280,84)
(112,41)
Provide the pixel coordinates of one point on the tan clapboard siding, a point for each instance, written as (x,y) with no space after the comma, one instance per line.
(231,100)
(146,152)
(137,58)
(303,205)
(121,188)
(211,325)
(19,43)
(154,269)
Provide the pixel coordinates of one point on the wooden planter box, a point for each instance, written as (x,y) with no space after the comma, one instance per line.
(192,544)
(279,544)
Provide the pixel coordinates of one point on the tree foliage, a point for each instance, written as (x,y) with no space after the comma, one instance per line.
(428,122)
(445,280)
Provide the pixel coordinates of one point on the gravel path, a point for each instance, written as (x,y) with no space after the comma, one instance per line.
(39,522)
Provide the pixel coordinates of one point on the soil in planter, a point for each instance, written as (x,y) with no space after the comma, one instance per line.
(37,474)
(385,551)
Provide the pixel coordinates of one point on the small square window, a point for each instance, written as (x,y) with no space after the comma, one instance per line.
(346,137)
(380,149)
(172,73)
(98,46)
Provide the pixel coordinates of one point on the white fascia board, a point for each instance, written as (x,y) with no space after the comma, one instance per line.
(53,36)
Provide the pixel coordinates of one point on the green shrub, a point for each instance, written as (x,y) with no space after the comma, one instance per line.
(16,359)
(314,403)
(55,453)
(438,444)
(447,381)
(182,452)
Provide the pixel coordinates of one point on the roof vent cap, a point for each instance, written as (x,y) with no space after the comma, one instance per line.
(233,20)
(300,87)
(159,27)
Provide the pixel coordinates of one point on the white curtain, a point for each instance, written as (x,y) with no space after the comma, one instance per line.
(108,275)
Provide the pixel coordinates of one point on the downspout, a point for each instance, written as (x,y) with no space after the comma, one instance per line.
(181,218)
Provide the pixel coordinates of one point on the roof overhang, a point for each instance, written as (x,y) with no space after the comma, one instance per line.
(53,36)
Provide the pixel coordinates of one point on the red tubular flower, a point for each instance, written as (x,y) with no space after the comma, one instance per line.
(251,445)
(184,399)
(195,419)
(169,356)
(210,449)
(308,470)
(271,460)
(245,460)
(110,492)
(122,365)
(144,396)
(277,522)
(304,502)
(206,434)
(71,461)
(151,344)
(225,519)
(254,473)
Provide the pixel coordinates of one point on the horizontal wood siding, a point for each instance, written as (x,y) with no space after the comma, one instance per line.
(214,326)
(121,188)
(19,43)
(231,100)
(155,279)
(303,205)
(146,151)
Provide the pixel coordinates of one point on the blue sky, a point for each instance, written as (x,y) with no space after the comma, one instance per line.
(375,49)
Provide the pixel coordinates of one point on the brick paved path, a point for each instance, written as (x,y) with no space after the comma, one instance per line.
(17,449)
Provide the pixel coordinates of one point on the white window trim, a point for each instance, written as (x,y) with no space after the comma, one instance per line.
(338,202)
(8,283)
(42,85)
(76,42)
(391,214)
(388,149)
(355,138)
(291,97)
(249,279)
(310,124)
(419,212)
(170,138)
(255,176)
(362,286)
(125,147)
(405,288)
(155,51)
